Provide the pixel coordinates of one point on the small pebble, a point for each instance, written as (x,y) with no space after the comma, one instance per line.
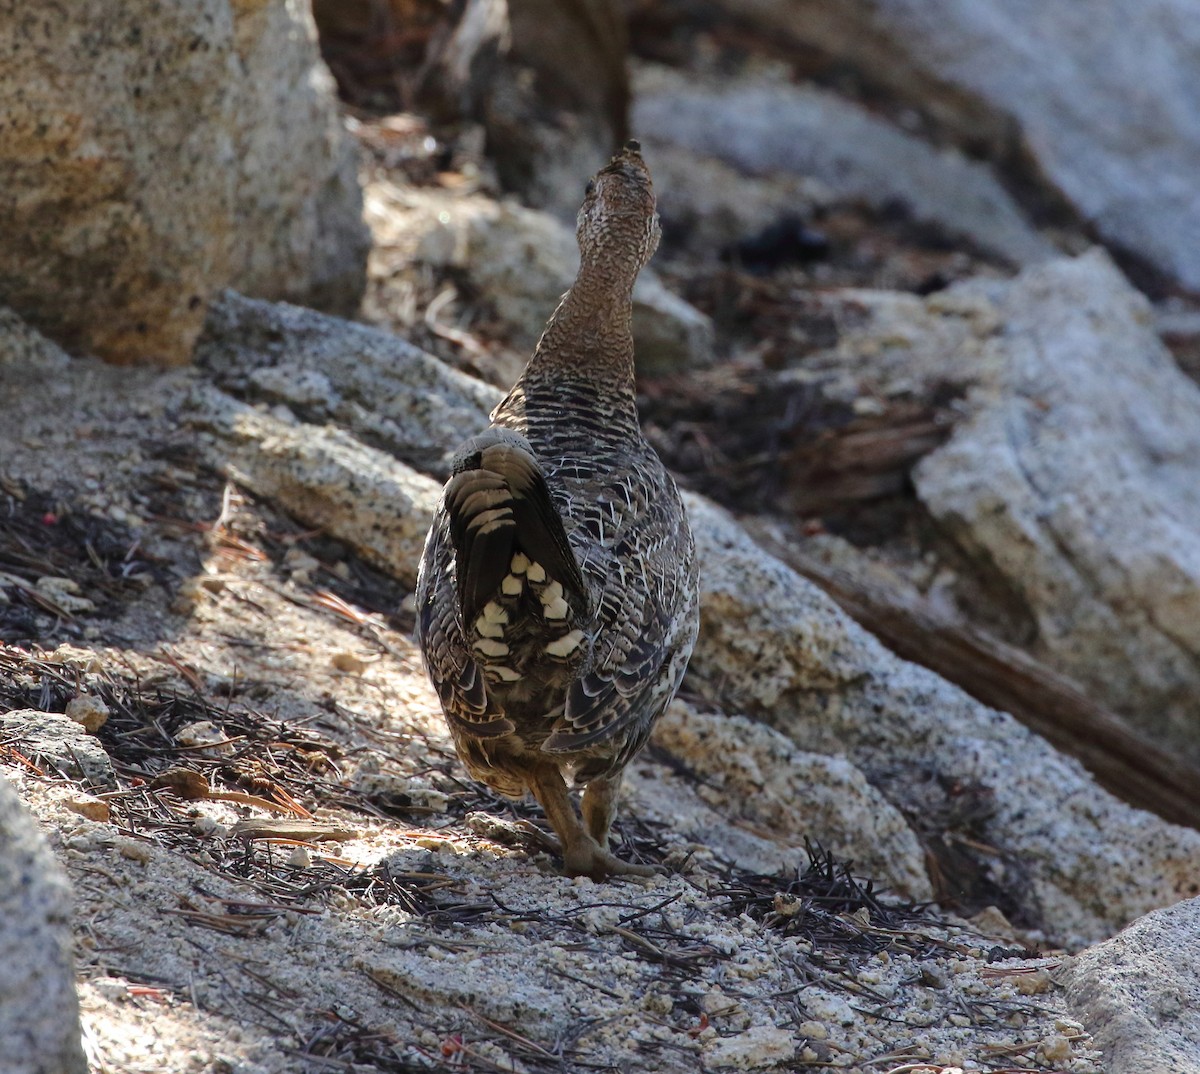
(204,733)
(933,976)
(1054,1049)
(65,593)
(1031,984)
(111,988)
(134,850)
(349,662)
(88,711)
(657,1003)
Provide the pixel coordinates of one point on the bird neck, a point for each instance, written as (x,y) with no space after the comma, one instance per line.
(588,341)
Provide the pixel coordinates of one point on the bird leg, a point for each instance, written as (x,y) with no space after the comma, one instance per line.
(583,855)
(599,807)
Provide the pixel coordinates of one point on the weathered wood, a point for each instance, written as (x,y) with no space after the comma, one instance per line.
(1009,679)
(869,458)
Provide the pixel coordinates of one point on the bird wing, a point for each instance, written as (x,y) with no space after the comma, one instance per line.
(644,616)
(498,503)
(455,675)
(495,505)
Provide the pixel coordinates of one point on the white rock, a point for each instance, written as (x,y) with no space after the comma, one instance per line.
(39,1014)
(154,154)
(792,794)
(758,1046)
(324,477)
(774,646)
(88,711)
(372,384)
(298,231)
(61,744)
(768,127)
(1098,96)
(1076,478)
(1139,993)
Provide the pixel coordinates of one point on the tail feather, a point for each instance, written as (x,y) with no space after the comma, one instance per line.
(498,505)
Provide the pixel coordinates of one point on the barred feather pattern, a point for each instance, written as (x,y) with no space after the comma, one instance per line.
(558,594)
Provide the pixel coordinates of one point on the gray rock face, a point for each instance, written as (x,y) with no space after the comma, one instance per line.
(775,647)
(133,176)
(1139,993)
(59,743)
(39,1013)
(772,646)
(756,774)
(1099,97)
(1077,479)
(298,232)
(323,476)
(765,128)
(385,391)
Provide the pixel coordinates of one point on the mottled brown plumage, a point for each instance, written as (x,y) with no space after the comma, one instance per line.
(557,598)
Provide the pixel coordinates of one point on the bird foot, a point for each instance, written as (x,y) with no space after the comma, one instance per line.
(588,858)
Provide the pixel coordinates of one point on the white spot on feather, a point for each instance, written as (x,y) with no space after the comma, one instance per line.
(490,647)
(502,673)
(556,609)
(493,613)
(520,563)
(536,572)
(511,586)
(487,629)
(565,645)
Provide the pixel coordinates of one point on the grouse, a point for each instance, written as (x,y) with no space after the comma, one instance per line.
(557,599)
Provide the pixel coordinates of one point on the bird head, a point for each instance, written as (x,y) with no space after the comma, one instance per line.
(617,221)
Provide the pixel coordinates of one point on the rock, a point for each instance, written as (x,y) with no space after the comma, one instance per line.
(754,773)
(22,348)
(323,476)
(133,170)
(375,386)
(1139,995)
(756,1047)
(39,1013)
(64,593)
(549,123)
(1075,480)
(706,204)
(775,647)
(766,127)
(772,646)
(521,261)
(58,742)
(669,333)
(1179,329)
(89,712)
(207,738)
(1103,115)
(298,233)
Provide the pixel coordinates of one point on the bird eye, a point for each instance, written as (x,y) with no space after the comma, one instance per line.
(590,189)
